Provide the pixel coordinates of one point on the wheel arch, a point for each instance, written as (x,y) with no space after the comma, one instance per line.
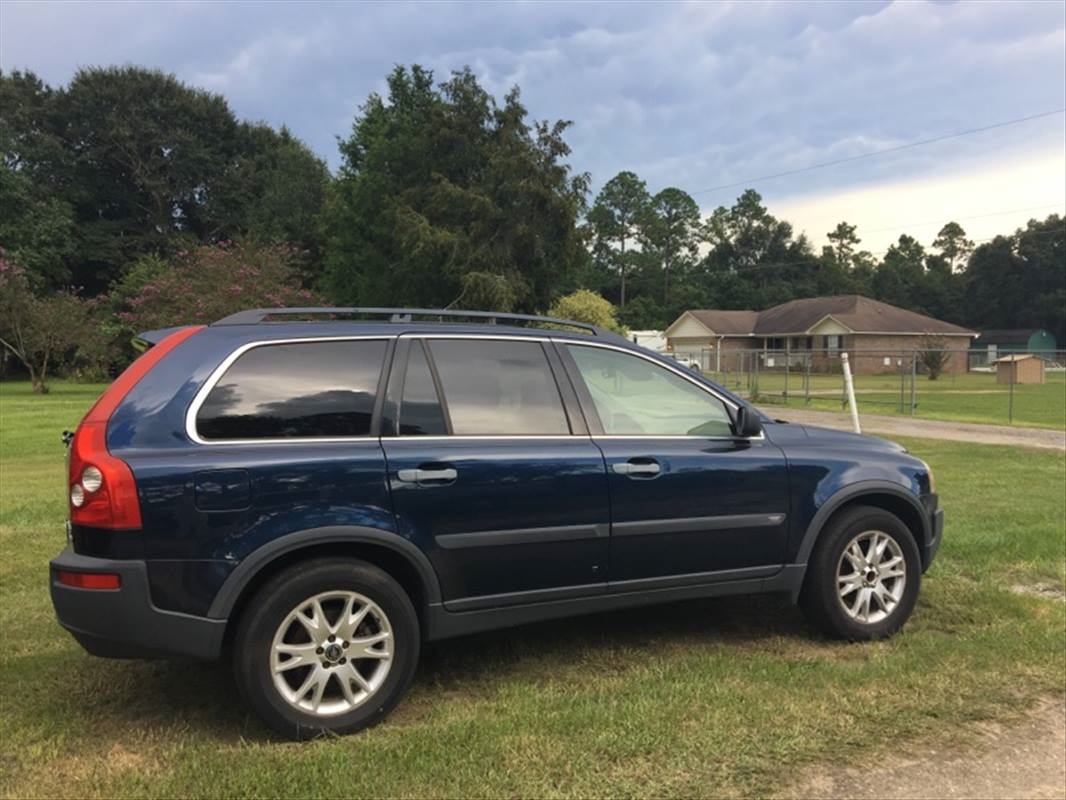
(891,497)
(390,552)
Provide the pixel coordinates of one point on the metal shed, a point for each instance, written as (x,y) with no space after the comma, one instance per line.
(1020,368)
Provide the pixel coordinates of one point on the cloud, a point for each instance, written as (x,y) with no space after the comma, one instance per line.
(691,94)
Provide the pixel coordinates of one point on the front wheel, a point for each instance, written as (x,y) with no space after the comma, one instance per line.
(863,577)
(326,646)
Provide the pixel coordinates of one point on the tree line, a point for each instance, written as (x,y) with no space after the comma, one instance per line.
(131,200)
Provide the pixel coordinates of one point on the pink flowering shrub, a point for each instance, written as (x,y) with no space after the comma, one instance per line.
(209,282)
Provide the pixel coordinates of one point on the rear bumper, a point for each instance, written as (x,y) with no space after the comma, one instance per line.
(123,623)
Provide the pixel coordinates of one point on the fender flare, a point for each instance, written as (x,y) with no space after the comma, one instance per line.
(855,491)
(254,562)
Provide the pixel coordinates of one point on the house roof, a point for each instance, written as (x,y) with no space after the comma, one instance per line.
(727,323)
(1015,336)
(855,312)
(1014,357)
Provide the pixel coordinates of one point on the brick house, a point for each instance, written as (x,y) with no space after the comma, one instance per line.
(877,336)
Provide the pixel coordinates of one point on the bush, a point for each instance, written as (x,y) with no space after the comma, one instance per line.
(587,306)
(203,285)
(933,355)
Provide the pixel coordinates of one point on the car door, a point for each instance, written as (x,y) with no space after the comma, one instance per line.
(689,500)
(492,470)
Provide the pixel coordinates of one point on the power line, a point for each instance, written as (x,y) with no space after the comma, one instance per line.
(886,150)
(972,217)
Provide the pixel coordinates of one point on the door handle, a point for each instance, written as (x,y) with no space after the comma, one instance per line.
(425,475)
(638,469)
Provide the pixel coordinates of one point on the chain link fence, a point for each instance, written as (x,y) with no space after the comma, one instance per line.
(962,385)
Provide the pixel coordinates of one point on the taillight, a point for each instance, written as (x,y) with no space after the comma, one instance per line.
(90,580)
(103,493)
(102,489)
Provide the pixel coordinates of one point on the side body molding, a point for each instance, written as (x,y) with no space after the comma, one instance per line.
(332,534)
(851,492)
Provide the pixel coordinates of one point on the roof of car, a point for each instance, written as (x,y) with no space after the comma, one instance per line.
(325,322)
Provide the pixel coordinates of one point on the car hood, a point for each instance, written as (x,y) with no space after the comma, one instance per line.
(785,433)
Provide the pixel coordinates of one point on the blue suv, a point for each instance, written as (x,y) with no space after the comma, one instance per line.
(317,497)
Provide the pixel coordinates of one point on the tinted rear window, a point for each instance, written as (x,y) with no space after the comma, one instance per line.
(498,387)
(420,411)
(305,390)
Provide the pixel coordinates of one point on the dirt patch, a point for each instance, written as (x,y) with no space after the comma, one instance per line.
(1043,590)
(930,429)
(1022,760)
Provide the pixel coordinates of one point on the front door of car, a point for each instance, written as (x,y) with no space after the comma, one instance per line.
(690,502)
(492,471)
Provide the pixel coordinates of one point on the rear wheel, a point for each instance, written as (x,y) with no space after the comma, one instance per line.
(863,577)
(326,646)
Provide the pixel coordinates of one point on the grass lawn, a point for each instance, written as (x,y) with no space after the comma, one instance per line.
(967,397)
(714,698)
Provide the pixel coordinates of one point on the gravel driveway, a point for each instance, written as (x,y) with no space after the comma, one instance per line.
(927,428)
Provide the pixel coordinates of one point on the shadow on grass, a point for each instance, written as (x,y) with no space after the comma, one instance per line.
(89,698)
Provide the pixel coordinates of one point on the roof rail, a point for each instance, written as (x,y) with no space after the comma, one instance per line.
(256,316)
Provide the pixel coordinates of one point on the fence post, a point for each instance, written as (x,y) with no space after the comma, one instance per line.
(850,390)
(807,379)
(1010,395)
(901,382)
(788,365)
(914,376)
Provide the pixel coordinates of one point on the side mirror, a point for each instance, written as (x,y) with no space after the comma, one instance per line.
(747,423)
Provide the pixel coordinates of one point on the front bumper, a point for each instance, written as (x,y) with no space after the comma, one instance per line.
(936,534)
(123,623)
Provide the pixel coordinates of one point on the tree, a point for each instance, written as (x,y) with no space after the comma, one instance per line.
(616,216)
(40,331)
(754,262)
(211,282)
(842,241)
(933,355)
(36,229)
(1018,281)
(899,278)
(953,245)
(670,233)
(272,192)
(441,182)
(589,307)
(126,161)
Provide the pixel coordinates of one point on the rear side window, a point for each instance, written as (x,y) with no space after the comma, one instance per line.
(498,387)
(420,410)
(302,390)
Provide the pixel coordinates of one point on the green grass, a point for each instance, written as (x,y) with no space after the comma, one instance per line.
(713,698)
(966,397)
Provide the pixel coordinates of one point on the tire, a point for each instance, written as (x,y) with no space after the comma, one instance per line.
(374,649)
(833,600)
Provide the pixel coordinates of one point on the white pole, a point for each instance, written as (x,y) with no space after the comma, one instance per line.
(850,389)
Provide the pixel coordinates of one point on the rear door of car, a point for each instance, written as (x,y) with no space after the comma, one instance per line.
(492,471)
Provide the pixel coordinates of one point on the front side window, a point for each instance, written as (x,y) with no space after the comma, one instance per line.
(298,390)
(634,396)
(498,387)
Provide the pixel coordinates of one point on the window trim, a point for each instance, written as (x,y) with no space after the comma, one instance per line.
(228,361)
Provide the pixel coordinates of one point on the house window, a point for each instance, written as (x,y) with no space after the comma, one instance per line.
(832,343)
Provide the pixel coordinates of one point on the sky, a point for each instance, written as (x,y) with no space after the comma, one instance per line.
(694,95)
